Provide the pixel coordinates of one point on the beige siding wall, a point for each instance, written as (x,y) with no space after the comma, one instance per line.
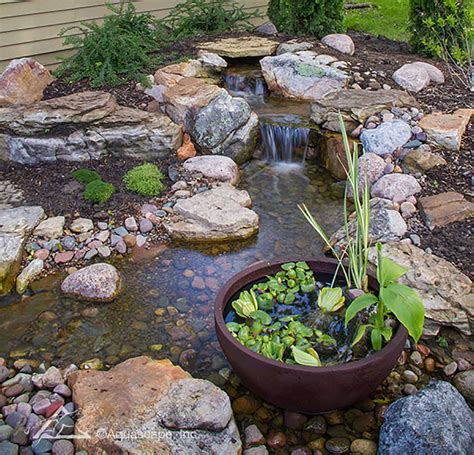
(30,28)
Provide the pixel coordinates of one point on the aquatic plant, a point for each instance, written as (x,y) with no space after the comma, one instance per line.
(393,298)
(98,191)
(146,180)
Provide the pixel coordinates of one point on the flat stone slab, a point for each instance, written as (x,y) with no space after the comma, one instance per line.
(445,208)
(421,160)
(247,46)
(157,398)
(446,292)
(220,214)
(356,106)
(446,130)
(20,220)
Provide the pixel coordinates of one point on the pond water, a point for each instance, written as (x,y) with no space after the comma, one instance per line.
(169,292)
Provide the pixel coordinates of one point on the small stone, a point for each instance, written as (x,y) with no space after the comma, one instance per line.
(141,240)
(80,225)
(416,358)
(130,240)
(8,448)
(121,247)
(145,225)
(364,447)
(90,254)
(42,446)
(102,225)
(316,425)
(121,231)
(14,390)
(253,436)
(62,447)
(464,382)
(131,224)
(63,258)
(335,418)
(338,445)
(6,431)
(65,426)
(245,405)
(415,238)
(63,390)
(294,420)
(148,208)
(42,254)
(50,228)
(198,283)
(407,209)
(410,377)
(15,420)
(276,440)
(104,251)
(102,236)
(430,364)
(20,436)
(450,369)
(409,389)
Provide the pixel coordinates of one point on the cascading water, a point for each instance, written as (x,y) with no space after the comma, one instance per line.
(245,83)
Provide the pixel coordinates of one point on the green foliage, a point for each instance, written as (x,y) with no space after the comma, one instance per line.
(442,342)
(204,17)
(331,300)
(394,298)
(356,243)
(310,17)
(246,304)
(146,180)
(86,175)
(98,191)
(442,28)
(116,51)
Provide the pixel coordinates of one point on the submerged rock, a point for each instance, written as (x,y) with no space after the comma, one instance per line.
(97,283)
(160,398)
(219,214)
(435,421)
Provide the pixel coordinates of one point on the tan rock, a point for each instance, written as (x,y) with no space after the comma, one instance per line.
(445,208)
(216,167)
(144,395)
(246,46)
(421,160)
(339,41)
(333,155)
(187,150)
(446,130)
(23,82)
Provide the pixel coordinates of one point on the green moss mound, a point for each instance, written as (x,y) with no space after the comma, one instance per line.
(98,191)
(146,180)
(86,176)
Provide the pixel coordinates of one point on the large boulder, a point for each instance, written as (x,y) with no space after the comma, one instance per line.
(23,82)
(303,75)
(158,400)
(386,138)
(84,126)
(418,75)
(446,130)
(386,225)
(435,421)
(96,283)
(340,42)
(356,106)
(244,46)
(220,168)
(219,214)
(445,291)
(396,187)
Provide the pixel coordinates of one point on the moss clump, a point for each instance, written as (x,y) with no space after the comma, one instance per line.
(98,191)
(86,176)
(146,180)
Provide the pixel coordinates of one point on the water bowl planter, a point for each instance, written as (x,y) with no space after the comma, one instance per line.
(309,390)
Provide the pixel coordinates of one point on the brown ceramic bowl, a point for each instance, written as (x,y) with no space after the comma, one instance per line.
(308,390)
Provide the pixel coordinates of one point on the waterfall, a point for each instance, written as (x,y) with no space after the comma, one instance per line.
(281,142)
(249,84)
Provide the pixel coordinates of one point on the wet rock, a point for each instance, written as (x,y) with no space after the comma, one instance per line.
(395,187)
(245,405)
(301,76)
(62,447)
(464,382)
(221,213)
(245,46)
(23,82)
(294,420)
(50,228)
(148,384)
(276,440)
(8,448)
(418,75)
(97,282)
(437,420)
(340,42)
(444,208)
(253,436)
(445,291)
(220,168)
(338,445)
(316,425)
(28,274)
(386,138)
(364,447)
(446,130)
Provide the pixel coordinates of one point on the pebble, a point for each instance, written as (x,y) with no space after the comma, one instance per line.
(364,447)
(276,440)
(104,251)
(4,373)
(121,231)
(63,258)
(121,247)
(407,209)
(253,436)
(102,225)
(430,365)
(42,254)
(102,236)
(415,238)
(450,369)
(130,240)
(90,254)
(41,446)
(68,242)
(141,240)
(8,448)
(62,447)
(5,432)
(338,445)
(15,420)
(131,224)
(145,225)
(409,389)
(294,420)
(245,404)
(410,377)
(148,208)
(63,390)
(416,358)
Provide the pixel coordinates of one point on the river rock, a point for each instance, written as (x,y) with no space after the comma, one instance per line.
(219,214)
(446,130)
(220,168)
(356,106)
(340,42)
(293,46)
(396,187)
(445,208)
(464,382)
(418,75)
(160,398)
(445,291)
(84,126)
(97,283)
(421,160)
(23,82)
(267,28)
(28,274)
(301,76)
(370,165)
(386,225)
(386,138)
(435,421)
(51,228)
(244,46)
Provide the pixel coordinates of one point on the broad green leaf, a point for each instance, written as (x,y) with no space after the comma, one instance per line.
(386,332)
(245,304)
(303,358)
(360,333)
(376,339)
(406,305)
(265,301)
(360,303)
(302,265)
(290,318)
(290,298)
(288,266)
(261,316)
(391,272)
(307,286)
(330,299)
(233,326)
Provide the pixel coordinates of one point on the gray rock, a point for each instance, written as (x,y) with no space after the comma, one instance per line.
(340,42)
(52,377)
(62,447)
(4,373)
(370,165)
(8,448)
(15,420)
(28,274)
(267,28)
(464,382)
(396,187)
(386,138)
(435,421)
(68,242)
(5,432)
(50,228)
(131,224)
(145,225)
(104,251)
(418,75)
(97,282)
(260,450)
(20,220)
(293,46)
(212,61)
(220,168)
(121,231)
(253,436)
(41,446)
